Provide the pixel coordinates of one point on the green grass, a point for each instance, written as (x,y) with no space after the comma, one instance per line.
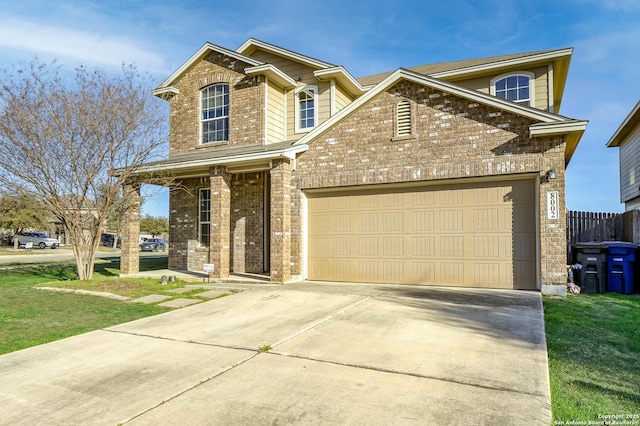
(593,343)
(30,317)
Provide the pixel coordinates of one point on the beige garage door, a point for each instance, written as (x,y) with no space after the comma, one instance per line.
(472,235)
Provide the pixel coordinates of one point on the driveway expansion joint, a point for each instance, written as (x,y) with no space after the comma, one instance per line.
(404,373)
(192,342)
(314,325)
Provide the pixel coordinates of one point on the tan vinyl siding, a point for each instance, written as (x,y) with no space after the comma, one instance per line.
(304,76)
(542,87)
(291,68)
(324,101)
(276,114)
(483,84)
(324,106)
(342,98)
(630,167)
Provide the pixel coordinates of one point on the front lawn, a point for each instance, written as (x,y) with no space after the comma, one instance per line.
(29,316)
(594,357)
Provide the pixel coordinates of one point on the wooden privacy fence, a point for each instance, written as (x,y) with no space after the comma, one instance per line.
(590,226)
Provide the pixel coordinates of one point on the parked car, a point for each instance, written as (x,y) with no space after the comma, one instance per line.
(39,239)
(153,244)
(106,240)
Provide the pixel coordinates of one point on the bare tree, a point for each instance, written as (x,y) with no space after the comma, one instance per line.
(61,134)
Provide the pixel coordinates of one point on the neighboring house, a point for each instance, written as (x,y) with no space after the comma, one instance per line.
(627,138)
(429,175)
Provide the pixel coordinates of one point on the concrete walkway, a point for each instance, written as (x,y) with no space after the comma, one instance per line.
(307,353)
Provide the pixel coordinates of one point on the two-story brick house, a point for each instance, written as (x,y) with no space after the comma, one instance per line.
(447,174)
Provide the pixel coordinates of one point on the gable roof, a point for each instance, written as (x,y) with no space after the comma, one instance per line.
(458,70)
(448,69)
(253,44)
(166,86)
(550,123)
(323,70)
(631,122)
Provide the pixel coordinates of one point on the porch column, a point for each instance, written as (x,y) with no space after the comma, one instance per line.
(220,239)
(281,221)
(130,249)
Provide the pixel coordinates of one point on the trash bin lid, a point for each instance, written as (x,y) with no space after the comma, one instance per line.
(620,244)
(621,248)
(590,244)
(589,248)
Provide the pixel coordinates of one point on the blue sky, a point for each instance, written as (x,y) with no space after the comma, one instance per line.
(366,37)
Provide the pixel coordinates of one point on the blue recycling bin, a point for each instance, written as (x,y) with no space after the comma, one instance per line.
(621,258)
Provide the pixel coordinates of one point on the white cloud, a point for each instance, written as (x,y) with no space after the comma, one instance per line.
(81,46)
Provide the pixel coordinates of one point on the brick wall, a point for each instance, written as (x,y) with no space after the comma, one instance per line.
(281,259)
(247,222)
(130,250)
(246,104)
(183,222)
(452,138)
(219,243)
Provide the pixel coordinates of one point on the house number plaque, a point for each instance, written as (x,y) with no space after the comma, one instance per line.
(552,205)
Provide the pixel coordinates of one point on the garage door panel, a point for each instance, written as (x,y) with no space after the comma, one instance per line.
(423,246)
(423,272)
(367,271)
(451,273)
(422,221)
(488,246)
(486,274)
(477,235)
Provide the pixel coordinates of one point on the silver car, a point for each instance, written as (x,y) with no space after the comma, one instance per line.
(39,239)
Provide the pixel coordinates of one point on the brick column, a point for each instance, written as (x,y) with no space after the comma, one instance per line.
(219,241)
(553,232)
(281,221)
(130,250)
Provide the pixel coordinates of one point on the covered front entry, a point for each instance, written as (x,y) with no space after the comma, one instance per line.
(478,234)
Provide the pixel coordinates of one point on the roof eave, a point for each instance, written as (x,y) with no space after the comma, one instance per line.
(201,53)
(252,44)
(507,63)
(630,122)
(539,115)
(231,160)
(273,74)
(573,129)
(165,92)
(342,76)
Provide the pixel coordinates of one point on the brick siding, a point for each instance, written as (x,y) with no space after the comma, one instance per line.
(452,138)
(246,104)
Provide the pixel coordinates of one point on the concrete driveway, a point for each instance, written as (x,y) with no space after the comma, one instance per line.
(298,354)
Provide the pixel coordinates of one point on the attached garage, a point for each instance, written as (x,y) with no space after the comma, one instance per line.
(477,234)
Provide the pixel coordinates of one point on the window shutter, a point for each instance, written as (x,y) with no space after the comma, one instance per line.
(404,118)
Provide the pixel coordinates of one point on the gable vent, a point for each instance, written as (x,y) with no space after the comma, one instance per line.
(404,118)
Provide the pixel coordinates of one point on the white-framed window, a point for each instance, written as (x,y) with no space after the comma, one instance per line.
(517,87)
(214,115)
(204,217)
(306,108)
(403,118)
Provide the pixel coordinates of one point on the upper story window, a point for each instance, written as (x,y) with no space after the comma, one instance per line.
(403,119)
(215,113)
(514,87)
(306,108)
(204,217)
